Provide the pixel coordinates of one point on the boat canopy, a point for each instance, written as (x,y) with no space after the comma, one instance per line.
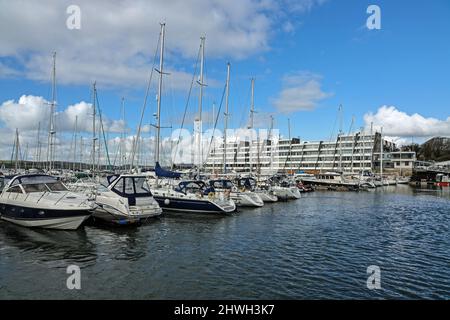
(247,182)
(194,186)
(160,172)
(131,186)
(221,184)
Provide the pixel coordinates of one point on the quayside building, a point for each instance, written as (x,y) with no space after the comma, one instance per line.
(347,153)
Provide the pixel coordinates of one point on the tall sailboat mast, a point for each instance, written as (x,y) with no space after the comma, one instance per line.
(226,120)
(38,147)
(51,133)
(94,138)
(81,153)
(75,143)
(17,149)
(341,133)
(271,141)
(158,114)
(252,111)
(123,134)
(252,104)
(381,154)
(200,106)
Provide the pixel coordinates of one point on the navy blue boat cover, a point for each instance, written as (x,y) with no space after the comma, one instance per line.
(160,172)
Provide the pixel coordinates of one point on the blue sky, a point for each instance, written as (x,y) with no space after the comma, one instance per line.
(321,51)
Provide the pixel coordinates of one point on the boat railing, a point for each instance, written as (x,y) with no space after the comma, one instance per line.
(63,196)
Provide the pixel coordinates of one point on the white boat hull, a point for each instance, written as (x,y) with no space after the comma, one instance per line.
(287,193)
(67,223)
(267,197)
(247,199)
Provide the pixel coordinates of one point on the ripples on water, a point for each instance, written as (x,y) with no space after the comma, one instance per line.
(317,247)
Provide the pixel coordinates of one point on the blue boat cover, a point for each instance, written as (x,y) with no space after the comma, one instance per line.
(160,172)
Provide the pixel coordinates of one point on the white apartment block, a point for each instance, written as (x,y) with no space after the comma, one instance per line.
(348,153)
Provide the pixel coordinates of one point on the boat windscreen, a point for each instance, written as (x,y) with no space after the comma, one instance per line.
(3,182)
(35,187)
(141,185)
(37,179)
(56,186)
(39,183)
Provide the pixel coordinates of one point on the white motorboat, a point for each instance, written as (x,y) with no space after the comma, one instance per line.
(38,200)
(242,197)
(126,200)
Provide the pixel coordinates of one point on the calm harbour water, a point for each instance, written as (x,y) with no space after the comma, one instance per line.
(318,247)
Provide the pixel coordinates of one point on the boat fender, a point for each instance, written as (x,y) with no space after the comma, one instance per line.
(211,195)
(166,202)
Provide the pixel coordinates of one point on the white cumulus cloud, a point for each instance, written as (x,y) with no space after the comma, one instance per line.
(26,114)
(117,39)
(400,124)
(301,91)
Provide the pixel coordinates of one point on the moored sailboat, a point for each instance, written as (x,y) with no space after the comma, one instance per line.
(187,196)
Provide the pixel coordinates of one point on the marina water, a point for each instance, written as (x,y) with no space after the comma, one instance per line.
(318,247)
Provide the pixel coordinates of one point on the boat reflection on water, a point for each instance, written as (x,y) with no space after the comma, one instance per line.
(83,247)
(49,245)
(432,189)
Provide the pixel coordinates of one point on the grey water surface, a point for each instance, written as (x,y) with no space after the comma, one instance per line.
(318,247)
